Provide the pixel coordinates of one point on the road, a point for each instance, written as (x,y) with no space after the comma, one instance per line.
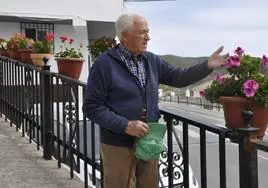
(217,118)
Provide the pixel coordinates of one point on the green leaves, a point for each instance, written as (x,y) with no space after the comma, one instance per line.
(250,69)
(69,53)
(42,47)
(101,45)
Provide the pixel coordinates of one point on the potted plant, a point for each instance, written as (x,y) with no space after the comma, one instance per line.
(25,49)
(3,47)
(13,45)
(245,88)
(69,60)
(42,49)
(101,45)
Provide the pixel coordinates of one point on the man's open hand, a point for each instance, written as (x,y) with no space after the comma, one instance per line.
(216,60)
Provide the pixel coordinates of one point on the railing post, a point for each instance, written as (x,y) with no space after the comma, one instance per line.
(201,103)
(170,150)
(46,113)
(1,86)
(248,160)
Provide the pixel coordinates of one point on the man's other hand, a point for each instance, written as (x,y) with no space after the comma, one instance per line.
(137,128)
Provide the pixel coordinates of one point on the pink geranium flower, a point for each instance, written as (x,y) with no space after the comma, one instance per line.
(233,61)
(265,60)
(50,37)
(220,79)
(71,41)
(250,87)
(67,51)
(63,38)
(202,93)
(239,51)
(247,77)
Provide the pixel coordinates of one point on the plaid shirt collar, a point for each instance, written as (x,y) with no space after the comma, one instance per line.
(126,53)
(137,68)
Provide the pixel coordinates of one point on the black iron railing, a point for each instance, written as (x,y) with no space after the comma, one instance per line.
(192,101)
(46,107)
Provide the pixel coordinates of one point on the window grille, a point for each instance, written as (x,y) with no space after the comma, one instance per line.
(37,31)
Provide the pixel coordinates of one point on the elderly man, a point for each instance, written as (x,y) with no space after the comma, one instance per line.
(123,84)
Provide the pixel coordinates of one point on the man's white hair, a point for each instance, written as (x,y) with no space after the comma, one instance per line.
(124,23)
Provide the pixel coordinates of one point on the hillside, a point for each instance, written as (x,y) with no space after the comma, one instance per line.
(185,62)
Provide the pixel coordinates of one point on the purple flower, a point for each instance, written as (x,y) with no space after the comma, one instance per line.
(239,51)
(250,87)
(265,61)
(220,79)
(233,61)
(202,93)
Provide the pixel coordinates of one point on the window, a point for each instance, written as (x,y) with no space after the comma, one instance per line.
(37,31)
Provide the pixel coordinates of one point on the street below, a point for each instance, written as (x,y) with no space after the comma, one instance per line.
(214,117)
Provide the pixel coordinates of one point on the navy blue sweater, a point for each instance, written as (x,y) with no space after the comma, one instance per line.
(114,95)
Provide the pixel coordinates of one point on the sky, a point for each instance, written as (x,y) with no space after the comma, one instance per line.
(193,28)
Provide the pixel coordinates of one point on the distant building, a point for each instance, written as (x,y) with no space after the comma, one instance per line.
(160,92)
(195,90)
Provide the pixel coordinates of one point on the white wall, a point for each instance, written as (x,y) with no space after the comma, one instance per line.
(7,29)
(78,33)
(79,10)
(99,10)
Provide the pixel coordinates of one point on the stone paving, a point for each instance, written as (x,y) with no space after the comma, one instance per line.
(23,166)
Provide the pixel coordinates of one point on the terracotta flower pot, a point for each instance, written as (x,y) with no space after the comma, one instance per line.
(26,56)
(70,66)
(38,59)
(233,107)
(3,52)
(14,54)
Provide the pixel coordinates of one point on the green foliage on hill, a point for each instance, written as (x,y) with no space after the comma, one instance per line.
(185,62)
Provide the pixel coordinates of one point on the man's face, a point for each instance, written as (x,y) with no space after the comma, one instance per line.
(136,39)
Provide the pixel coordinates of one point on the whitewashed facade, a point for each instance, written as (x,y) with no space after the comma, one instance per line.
(83,20)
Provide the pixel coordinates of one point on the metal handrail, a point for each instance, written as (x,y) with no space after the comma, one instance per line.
(21,86)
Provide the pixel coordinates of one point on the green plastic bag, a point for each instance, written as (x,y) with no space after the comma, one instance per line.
(151,145)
